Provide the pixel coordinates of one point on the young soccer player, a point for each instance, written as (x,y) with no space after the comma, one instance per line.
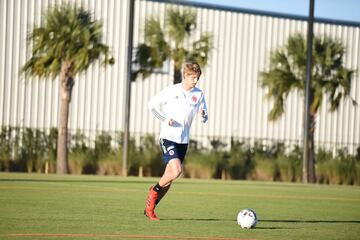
(176,107)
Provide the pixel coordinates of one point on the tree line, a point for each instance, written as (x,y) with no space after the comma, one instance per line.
(34,150)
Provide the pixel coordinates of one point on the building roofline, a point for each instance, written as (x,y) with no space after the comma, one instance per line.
(258,12)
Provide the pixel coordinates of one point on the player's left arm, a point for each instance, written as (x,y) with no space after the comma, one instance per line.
(203,111)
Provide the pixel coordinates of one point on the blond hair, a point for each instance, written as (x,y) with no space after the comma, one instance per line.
(191,68)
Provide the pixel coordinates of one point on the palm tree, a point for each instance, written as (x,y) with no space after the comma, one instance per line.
(330,78)
(171,42)
(67,43)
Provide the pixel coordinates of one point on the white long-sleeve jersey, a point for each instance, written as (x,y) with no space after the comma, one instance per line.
(175,103)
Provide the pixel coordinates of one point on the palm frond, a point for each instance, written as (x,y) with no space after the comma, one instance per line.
(67,34)
(180,24)
(201,49)
(159,49)
(288,70)
(277,110)
(168,42)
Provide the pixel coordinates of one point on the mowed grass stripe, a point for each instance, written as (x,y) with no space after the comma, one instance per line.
(90,188)
(97,207)
(121,236)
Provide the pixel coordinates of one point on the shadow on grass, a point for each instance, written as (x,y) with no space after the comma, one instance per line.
(260,221)
(197,219)
(77,181)
(211,220)
(308,221)
(266,228)
(215,220)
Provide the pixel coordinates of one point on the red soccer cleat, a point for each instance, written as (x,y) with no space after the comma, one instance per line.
(150,205)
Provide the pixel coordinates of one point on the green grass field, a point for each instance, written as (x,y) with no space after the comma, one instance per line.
(94,207)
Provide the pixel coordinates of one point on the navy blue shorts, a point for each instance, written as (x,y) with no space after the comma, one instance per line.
(171,150)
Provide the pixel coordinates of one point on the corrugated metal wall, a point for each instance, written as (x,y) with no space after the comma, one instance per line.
(242,45)
(97,99)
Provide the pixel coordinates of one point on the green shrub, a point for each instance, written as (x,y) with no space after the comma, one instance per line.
(111,165)
(149,157)
(220,158)
(51,150)
(342,168)
(110,162)
(324,170)
(79,153)
(78,160)
(357,159)
(134,158)
(347,167)
(241,160)
(30,149)
(5,148)
(266,168)
(289,164)
(33,145)
(102,152)
(18,160)
(199,164)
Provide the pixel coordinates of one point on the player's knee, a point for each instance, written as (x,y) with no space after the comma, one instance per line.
(177,172)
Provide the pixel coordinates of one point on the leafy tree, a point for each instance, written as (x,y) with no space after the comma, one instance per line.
(171,42)
(66,44)
(330,78)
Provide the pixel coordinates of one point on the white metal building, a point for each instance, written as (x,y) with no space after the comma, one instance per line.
(243,40)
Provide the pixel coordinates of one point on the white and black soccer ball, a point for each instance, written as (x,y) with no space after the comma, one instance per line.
(247,218)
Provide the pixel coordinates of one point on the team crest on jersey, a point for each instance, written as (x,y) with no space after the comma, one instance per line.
(194,99)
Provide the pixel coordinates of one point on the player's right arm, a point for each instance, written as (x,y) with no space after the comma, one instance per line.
(155,103)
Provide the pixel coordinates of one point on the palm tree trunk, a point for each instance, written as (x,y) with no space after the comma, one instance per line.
(311,163)
(66,84)
(309,175)
(177,76)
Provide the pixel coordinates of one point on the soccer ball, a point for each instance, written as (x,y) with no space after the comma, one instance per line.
(247,218)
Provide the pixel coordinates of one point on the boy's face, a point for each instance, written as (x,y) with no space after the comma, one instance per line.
(190,80)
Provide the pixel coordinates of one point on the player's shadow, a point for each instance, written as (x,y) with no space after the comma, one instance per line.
(196,219)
